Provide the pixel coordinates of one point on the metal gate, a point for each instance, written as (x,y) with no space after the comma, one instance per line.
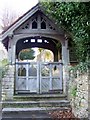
(38,77)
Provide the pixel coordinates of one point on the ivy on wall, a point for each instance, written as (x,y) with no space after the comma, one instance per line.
(74,18)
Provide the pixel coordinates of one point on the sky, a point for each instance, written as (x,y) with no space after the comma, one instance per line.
(18,6)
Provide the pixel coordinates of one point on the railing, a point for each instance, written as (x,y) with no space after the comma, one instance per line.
(50,76)
(38,76)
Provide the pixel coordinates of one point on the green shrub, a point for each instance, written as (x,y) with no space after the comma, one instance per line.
(3,67)
(74,91)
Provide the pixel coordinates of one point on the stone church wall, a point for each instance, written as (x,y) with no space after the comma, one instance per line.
(78,93)
(8,84)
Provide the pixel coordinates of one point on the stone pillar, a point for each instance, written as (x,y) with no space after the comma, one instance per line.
(8,84)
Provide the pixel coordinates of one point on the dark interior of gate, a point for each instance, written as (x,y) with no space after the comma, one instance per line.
(37,76)
(40,42)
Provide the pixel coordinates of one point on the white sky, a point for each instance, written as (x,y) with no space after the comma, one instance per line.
(17,5)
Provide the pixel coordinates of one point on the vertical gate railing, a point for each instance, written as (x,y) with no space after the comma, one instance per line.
(26,76)
(51,76)
(38,77)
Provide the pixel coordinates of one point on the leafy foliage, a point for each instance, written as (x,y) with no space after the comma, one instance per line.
(4,62)
(74,17)
(45,54)
(27,54)
(74,91)
(82,67)
(3,67)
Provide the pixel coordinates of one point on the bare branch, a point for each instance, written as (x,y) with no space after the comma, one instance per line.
(8,17)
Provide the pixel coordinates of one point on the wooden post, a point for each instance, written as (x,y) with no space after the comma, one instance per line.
(56,56)
(10,36)
(10,51)
(27,68)
(50,84)
(38,78)
(13,54)
(65,53)
(16,74)
(65,64)
(61,73)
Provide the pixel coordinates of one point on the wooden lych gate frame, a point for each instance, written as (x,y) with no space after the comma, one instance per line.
(35,24)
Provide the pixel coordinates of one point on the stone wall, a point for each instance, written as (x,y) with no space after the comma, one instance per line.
(0,95)
(8,84)
(89,93)
(78,93)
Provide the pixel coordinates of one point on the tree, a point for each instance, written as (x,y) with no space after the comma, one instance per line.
(74,18)
(40,52)
(45,55)
(27,54)
(48,55)
(8,17)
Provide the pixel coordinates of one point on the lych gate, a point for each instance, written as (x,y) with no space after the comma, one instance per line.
(38,77)
(35,29)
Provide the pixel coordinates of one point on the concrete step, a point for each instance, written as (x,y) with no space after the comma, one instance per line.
(26,113)
(46,103)
(38,97)
(33,109)
(40,113)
